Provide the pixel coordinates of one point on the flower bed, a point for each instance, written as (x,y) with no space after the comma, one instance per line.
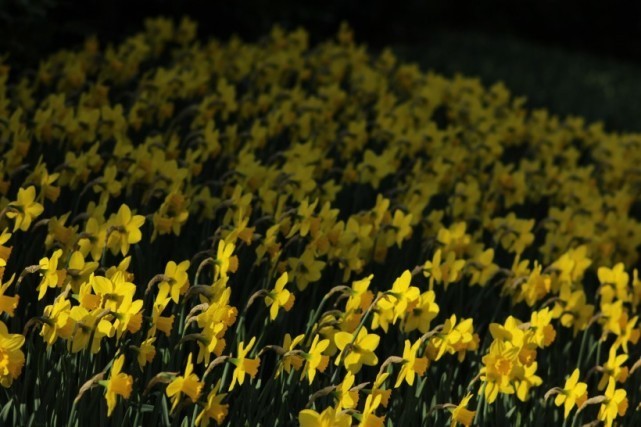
(228,233)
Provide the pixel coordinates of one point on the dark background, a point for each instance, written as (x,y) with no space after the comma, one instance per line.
(574,57)
(611,28)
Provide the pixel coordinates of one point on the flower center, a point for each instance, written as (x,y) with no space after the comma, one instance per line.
(122,385)
(503,366)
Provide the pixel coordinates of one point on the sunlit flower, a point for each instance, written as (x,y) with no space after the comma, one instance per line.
(243,364)
(189,384)
(118,384)
(11,357)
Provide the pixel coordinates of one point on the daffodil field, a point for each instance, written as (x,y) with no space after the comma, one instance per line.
(283,232)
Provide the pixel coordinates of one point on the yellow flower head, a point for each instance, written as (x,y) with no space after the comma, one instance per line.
(11,357)
(616,403)
(25,209)
(462,415)
(358,350)
(118,384)
(573,393)
(214,409)
(314,359)
(177,283)
(126,230)
(51,275)
(188,384)
(347,398)
(330,417)
(243,364)
(147,352)
(279,297)
(412,364)
(8,304)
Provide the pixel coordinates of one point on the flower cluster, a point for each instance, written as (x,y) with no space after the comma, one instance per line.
(277,233)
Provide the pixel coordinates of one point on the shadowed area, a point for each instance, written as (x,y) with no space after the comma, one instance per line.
(563,81)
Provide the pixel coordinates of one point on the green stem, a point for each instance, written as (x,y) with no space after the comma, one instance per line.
(481,403)
(582,349)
